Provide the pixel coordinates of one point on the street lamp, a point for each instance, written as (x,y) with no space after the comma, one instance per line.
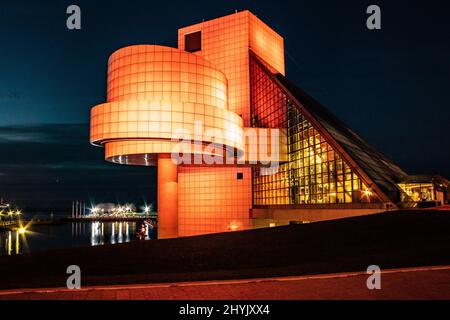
(94,210)
(10,214)
(367,193)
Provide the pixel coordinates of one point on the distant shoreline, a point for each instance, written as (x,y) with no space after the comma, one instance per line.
(108,219)
(57,221)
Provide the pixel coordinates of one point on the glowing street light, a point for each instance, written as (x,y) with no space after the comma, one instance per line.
(22,230)
(234,226)
(367,192)
(94,210)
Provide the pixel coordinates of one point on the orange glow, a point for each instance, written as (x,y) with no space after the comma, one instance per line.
(367,192)
(158,73)
(157,122)
(211,198)
(266,43)
(234,226)
(226,41)
(225,44)
(223,198)
(155,91)
(167,197)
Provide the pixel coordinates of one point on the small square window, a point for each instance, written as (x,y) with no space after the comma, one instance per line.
(193,41)
(240,176)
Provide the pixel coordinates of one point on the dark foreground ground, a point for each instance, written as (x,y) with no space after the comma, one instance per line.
(390,240)
(422,283)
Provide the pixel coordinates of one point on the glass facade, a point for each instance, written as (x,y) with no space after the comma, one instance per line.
(416,192)
(314,173)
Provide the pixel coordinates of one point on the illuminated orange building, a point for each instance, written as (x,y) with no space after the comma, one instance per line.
(227,77)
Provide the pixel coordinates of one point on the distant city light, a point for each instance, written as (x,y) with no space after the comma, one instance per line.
(22,230)
(94,210)
(115,210)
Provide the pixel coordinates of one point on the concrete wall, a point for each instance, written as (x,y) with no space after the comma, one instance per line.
(264,217)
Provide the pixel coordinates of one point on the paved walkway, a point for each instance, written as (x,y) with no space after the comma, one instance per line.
(445,207)
(411,283)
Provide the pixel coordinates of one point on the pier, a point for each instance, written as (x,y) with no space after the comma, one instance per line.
(13,224)
(8,224)
(136,217)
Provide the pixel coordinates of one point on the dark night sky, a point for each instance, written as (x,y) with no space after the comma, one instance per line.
(391,85)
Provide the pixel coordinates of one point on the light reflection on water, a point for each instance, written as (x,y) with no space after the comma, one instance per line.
(75,234)
(10,242)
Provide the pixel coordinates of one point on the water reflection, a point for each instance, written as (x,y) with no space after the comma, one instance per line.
(108,232)
(10,243)
(47,237)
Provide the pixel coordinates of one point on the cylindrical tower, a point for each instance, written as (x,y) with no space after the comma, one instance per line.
(163,101)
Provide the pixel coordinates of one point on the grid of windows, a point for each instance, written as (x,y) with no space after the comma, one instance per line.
(266,43)
(150,72)
(417,192)
(225,44)
(212,199)
(315,173)
(154,91)
(159,120)
(202,211)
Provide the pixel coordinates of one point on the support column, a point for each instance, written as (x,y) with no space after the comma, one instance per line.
(167,197)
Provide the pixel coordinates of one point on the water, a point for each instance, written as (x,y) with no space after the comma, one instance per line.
(40,238)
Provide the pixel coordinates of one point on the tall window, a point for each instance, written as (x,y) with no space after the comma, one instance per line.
(193,41)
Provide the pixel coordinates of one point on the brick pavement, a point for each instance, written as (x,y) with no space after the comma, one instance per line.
(413,283)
